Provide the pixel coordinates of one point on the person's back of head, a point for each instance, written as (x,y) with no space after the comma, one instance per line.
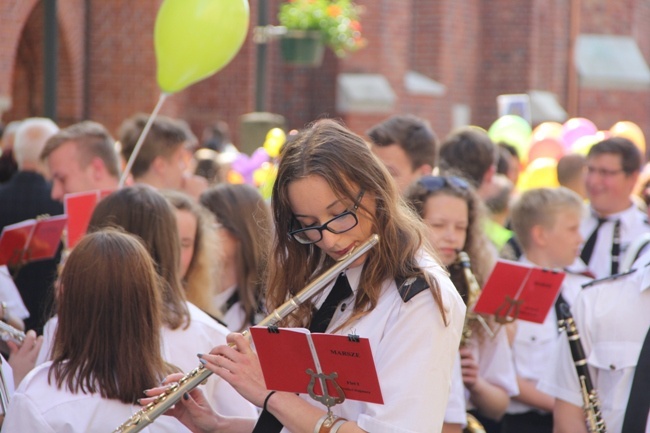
(469,152)
(216,136)
(165,137)
(144,212)
(571,170)
(108,319)
(407,145)
(498,200)
(31,137)
(412,134)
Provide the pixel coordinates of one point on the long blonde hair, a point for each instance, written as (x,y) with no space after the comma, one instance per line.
(345,162)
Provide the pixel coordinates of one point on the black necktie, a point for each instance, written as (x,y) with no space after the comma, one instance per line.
(267,423)
(323,316)
(588,249)
(638,405)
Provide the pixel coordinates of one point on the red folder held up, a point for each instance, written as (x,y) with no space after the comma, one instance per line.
(31,240)
(79,207)
(519,291)
(286,353)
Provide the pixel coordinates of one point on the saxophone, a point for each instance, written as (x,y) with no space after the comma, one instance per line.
(593,415)
(194,378)
(473,292)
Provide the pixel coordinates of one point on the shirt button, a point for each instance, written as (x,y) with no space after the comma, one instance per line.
(344,306)
(612,367)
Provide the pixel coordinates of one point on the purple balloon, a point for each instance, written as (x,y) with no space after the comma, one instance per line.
(575,128)
(246,165)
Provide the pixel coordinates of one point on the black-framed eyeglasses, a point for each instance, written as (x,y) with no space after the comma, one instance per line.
(341,223)
(436,183)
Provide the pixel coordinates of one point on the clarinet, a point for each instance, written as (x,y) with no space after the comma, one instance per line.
(593,415)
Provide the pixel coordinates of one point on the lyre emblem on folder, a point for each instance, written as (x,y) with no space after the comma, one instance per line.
(509,307)
(326,399)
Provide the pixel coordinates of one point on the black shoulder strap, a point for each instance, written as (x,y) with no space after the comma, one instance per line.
(636,413)
(410,287)
(611,277)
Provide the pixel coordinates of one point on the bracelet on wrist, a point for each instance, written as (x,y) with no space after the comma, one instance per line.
(266,400)
(328,424)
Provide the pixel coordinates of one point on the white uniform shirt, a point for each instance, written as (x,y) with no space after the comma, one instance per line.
(39,407)
(534,342)
(495,365)
(180,347)
(456,411)
(612,318)
(414,352)
(9,293)
(633,225)
(235,317)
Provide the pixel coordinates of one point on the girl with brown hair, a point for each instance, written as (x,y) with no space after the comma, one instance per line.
(108,323)
(244,228)
(330,196)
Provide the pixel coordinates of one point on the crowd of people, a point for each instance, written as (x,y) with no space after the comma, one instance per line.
(178,263)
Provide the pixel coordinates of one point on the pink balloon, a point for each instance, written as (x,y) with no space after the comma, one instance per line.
(546,148)
(575,128)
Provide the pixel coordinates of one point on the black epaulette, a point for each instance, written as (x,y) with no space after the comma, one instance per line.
(610,278)
(410,287)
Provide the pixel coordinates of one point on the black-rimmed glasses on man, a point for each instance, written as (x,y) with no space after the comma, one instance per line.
(341,223)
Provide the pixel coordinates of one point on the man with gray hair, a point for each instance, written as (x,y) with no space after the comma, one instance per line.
(25,196)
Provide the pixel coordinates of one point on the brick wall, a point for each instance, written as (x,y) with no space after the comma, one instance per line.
(478,49)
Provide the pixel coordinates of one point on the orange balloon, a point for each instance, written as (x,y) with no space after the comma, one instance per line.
(631,131)
(546,148)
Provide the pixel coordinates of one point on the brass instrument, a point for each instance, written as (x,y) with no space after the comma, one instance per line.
(593,415)
(8,332)
(473,292)
(194,378)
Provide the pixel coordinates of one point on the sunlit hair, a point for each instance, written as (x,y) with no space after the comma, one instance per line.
(143,211)
(242,211)
(476,243)
(199,280)
(345,162)
(164,138)
(107,340)
(541,206)
(92,141)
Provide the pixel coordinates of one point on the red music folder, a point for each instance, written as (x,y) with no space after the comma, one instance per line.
(519,291)
(286,353)
(79,207)
(31,240)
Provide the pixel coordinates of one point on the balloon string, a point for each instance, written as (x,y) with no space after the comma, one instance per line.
(143,135)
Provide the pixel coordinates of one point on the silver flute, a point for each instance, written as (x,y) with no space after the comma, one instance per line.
(8,332)
(194,378)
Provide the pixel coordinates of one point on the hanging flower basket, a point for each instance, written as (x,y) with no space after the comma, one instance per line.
(302,48)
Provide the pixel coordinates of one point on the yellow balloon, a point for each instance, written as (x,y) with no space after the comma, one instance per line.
(631,131)
(196,38)
(540,173)
(275,139)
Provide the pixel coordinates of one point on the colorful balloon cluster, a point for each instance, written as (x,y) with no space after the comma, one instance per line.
(540,149)
(260,169)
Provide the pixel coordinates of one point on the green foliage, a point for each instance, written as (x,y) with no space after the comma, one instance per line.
(337,20)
